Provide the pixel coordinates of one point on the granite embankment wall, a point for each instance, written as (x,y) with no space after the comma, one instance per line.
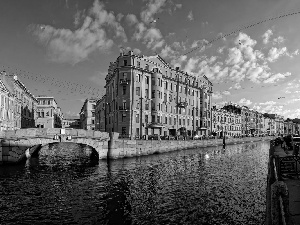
(119,148)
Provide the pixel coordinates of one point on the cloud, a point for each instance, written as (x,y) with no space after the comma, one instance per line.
(167,52)
(153,38)
(190,16)
(131,19)
(66,46)
(216,95)
(278,40)
(244,101)
(278,76)
(275,53)
(152,8)
(120,17)
(266,36)
(137,51)
(226,93)
(205,24)
(236,86)
(234,57)
(191,65)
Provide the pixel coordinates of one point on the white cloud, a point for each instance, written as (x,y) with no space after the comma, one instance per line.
(226,93)
(234,56)
(236,86)
(205,23)
(136,51)
(275,53)
(216,95)
(190,16)
(153,7)
(266,36)
(68,46)
(167,52)
(153,38)
(131,19)
(245,102)
(191,65)
(278,40)
(278,76)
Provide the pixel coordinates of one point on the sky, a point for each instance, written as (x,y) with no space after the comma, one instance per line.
(249,50)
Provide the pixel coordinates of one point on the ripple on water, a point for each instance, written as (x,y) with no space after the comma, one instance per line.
(201,186)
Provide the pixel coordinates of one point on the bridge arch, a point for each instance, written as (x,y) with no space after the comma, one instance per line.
(15,145)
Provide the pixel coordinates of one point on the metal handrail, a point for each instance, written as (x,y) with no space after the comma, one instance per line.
(280,198)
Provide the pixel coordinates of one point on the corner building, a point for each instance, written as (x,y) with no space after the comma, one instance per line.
(145,96)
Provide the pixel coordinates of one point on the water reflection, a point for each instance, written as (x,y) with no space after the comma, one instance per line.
(201,186)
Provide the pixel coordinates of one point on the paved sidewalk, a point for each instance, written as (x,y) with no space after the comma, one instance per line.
(293,184)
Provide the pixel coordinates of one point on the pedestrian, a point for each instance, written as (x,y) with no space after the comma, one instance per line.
(281,140)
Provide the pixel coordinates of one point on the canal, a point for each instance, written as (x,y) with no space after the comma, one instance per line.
(64,185)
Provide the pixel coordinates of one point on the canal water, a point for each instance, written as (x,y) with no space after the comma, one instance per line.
(64,185)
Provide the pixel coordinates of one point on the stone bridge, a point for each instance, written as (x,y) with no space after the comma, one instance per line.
(16,145)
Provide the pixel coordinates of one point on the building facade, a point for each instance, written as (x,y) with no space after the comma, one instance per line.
(87,114)
(100,114)
(226,122)
(25,104)
(7,108)
(146,96)
(49,114)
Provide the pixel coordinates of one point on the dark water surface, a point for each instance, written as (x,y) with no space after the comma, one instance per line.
(201,186)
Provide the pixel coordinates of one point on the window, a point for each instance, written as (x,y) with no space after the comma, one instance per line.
(165,97)
(171,86)
(158,119)
(137,105)
(124,90)
(137,118)
(166,85)
(153,118)
(166,120)
(138,91)
(179,121)
(170,120)
(123,117)
(147,93)
(146,106)
(93,121)
(153,81)
(174,121)
(137,132)
(170,99)
(125,76)
(125,62)
(183,121)
(138,64)
(153,94)
(43,115)
(47,113)
(146,118)
(188,122)
(147,79)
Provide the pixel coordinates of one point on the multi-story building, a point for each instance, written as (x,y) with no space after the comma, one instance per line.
(71,122)
(48,113)
(7,108)
(87,114)
(100,114)
(145,95)
(289,127)
(25,104)
(226,121)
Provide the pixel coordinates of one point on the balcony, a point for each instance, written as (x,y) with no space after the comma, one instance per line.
(182,104)
(123,108)
(124,81)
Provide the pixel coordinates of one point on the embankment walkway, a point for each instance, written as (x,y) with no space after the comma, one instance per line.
(293,185)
